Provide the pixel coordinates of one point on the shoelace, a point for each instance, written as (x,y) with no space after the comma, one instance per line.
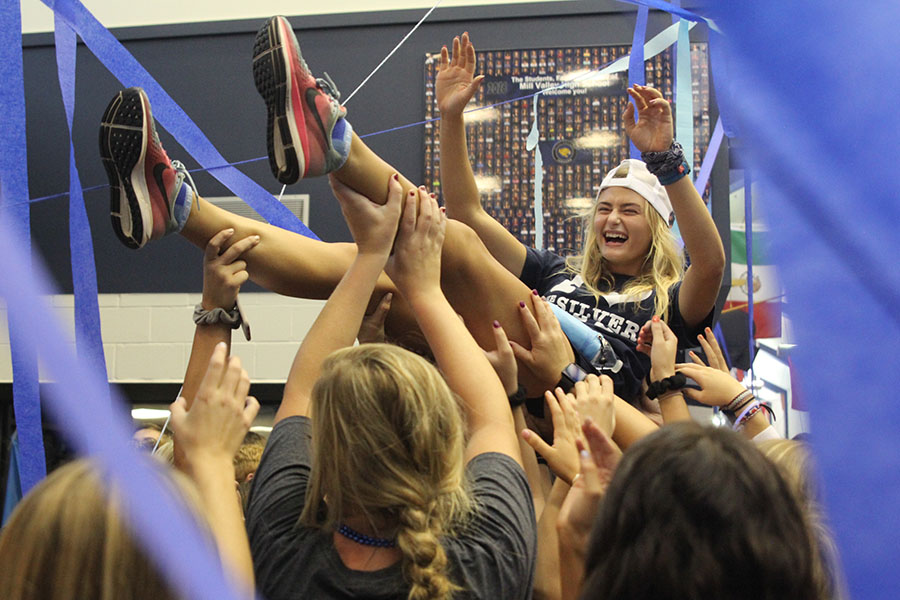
(327,85)
(182,173)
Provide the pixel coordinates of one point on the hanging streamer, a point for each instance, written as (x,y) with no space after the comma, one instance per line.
(712,151)
(636,71)
(130,72)
(169,532)
(88,339)
(748,237)
(532,143)
(15,211)
(684,93)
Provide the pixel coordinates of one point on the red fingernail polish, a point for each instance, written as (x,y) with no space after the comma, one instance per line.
(496,324)
(534,292)
(521,305)
(396,177)
(412,192)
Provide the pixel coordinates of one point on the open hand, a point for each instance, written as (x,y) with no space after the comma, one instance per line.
(562,456)
(718,388)
(455,84)
(373,225)
(550,349)
(220,415)
(712,351)
(224,272)
(653,131)
(416,262)
(595,402)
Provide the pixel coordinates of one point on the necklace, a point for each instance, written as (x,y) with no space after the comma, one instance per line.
(365,540)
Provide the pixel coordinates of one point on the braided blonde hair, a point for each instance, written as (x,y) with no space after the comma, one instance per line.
(389,439)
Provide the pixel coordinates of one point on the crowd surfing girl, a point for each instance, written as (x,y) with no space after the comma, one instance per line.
(481,276)
(399,490)
(630,267)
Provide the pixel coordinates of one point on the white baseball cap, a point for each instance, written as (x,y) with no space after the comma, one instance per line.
(633,174)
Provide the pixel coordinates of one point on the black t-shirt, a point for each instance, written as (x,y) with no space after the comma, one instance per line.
(618,317)
(493,558)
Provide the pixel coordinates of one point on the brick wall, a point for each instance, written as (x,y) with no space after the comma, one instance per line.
(147,337)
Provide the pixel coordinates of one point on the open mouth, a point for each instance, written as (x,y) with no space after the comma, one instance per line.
(614,238)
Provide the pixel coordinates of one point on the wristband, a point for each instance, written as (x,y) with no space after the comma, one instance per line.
(673,383)
(752,409)
(234,318)
(738,401)
(517,398)
(668,165)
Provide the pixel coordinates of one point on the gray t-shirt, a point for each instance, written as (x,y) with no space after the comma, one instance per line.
(493,558)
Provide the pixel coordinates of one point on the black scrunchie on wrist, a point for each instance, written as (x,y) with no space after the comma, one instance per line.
(668,165)
(657,388)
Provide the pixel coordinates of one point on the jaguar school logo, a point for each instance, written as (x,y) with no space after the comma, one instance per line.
(564,152)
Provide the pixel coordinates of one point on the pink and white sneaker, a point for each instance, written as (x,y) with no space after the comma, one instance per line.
(148,195)
(303,111)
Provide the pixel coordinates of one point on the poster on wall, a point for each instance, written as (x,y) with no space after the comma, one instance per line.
(581,131)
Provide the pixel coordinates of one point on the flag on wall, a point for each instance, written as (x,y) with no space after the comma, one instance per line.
(767,292)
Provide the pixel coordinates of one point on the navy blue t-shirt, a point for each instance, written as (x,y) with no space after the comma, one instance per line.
(618,317)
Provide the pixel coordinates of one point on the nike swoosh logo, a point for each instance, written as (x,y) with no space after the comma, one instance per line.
(311,94)
(158,171)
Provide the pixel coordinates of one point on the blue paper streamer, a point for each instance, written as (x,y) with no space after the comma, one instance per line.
(815,97)
(748,240)
(170,534)
(88,339)
(669,8)
(636,73)
(709,160)
(15,210)
(533,143)
(130,72)
(684,93)
(718,65)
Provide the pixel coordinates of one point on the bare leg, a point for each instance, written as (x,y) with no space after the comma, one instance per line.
(479,288)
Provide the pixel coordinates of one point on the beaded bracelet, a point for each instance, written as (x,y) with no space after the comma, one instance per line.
(745,416)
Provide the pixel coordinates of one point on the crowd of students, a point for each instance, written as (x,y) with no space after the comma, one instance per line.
(511,424)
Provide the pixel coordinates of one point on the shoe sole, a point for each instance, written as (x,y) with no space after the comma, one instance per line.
(272,58)
(123,148)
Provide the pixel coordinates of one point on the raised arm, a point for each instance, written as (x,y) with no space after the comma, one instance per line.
(454,87)
(373,227)
(223,275)
(209,436)
(415,269)
(653,132)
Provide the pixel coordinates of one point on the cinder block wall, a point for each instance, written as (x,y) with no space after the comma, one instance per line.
(147,337)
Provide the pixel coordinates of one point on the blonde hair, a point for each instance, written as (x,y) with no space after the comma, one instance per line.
(388,439)
(246,460)
(795,463)
(662,268)
(67,539)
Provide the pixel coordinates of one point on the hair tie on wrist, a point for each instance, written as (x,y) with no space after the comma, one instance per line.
(234,318)
(673,383)
(517,398)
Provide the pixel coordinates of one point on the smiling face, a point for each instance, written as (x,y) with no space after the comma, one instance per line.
(622,230)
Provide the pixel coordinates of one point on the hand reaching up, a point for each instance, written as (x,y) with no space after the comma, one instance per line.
(372,225)
(416,263)
(224,271)
(562,456)
(712,351)
(504,361)
(653,131)
(455,83)
(220,415)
